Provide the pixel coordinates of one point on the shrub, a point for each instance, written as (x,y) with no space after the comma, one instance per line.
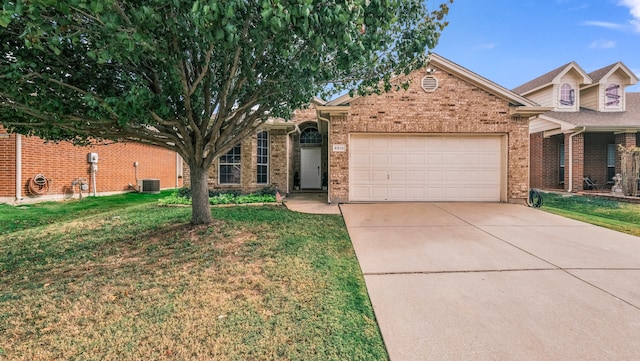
(183,196)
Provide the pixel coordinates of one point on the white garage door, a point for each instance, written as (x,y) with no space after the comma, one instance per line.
(385,167)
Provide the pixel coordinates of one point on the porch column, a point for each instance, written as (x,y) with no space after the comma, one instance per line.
(626,140)
(574,161)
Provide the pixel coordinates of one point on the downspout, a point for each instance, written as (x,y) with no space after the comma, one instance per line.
(295,129)
(571,157)
(320,117)
(18,167)
(178,172)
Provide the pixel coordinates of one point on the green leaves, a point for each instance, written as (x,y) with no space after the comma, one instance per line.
(174,65)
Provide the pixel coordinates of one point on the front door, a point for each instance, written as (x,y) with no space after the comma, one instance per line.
(310,163)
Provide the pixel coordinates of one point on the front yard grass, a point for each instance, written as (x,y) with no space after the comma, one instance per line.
(612,214)
(261,283)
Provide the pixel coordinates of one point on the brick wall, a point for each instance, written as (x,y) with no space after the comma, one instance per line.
(595,160)
(536,159)
(7,165)
(577,154)
(551,163)
(63,162)
(248,173)
(456,107)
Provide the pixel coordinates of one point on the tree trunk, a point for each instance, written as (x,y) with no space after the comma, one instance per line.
(200,208)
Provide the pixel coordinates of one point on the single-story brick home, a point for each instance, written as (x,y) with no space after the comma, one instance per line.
(33,170)
(453,135)
(591,115)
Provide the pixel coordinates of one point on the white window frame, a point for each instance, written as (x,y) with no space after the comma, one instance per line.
(566,96)
(613,96)
(262,157)
(561,155)
(231,160)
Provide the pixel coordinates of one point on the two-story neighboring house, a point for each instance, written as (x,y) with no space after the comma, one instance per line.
(591,116)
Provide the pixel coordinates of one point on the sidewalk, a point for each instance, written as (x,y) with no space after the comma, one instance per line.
(314,202)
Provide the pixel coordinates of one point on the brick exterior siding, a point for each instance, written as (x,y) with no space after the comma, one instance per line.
(63,162)
(248,172)
(589,158)
(595,160)
(455,108)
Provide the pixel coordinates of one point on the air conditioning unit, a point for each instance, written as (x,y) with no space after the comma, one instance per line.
(149,185)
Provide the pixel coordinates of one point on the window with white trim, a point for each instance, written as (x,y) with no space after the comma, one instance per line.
(262,161)
(611,162)
(561,163)
(229,166)
(567,95)
(310,136)
(612,96)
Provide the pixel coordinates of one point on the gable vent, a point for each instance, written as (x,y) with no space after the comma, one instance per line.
(429,83)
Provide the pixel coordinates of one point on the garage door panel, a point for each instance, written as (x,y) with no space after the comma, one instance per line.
(361,159)
(425,168)
(379,176)
(414,176)
(379,159)
(379,193)
(416,158)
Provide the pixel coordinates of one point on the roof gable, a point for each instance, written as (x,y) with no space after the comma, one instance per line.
(602,75)
(462,73)
(553,77)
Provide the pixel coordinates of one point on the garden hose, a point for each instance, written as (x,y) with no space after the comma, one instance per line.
(535,198)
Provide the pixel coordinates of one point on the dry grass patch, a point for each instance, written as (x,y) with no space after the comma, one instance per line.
(256,285)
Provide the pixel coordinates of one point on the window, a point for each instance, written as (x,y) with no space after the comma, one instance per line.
(229,166)
(567,95)
(561,170)
(310,136)
(611,162)
(611,96)
(262,160)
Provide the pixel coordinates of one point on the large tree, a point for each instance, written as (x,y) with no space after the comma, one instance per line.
(196,76)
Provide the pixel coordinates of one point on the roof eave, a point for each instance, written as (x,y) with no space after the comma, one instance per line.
(480,81)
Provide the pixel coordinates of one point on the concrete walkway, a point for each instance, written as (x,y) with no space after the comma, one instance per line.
(469,281)
(310,202)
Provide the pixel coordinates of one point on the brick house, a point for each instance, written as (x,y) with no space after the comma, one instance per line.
(592,114)
(65,167)
(451,136)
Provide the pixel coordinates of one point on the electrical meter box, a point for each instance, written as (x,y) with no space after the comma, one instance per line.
(92,157)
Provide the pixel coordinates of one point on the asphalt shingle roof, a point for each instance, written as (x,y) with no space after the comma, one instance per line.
(541,80)
(589,118)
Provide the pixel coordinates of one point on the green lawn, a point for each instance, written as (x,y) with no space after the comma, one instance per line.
(619,216)
(136,282)
(31,215)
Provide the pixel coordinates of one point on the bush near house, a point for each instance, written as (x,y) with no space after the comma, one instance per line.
(183,197)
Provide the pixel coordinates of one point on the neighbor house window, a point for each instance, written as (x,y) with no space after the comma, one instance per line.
(567,95)
(611,162)
(262,160)
(229,166)
(612,96)
(561,162)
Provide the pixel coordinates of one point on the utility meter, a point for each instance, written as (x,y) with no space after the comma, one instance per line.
(92,157)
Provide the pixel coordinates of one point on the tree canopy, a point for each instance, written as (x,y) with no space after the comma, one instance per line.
(196,76)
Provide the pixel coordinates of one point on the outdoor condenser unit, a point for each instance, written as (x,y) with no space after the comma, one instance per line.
(149,185)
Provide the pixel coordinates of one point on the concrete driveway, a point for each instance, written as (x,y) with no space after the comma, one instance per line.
(490,281)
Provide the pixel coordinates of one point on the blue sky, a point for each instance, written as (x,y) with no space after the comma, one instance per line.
(513,41)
